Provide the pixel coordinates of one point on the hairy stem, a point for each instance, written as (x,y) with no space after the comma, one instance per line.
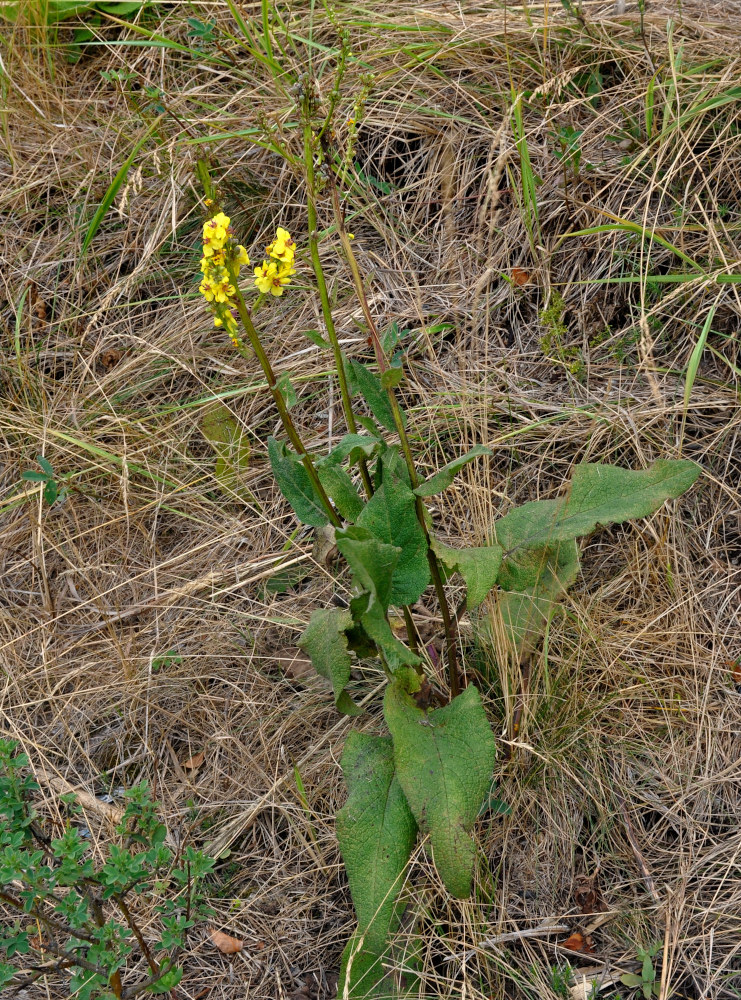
(324,297)
(404,440)
(288,425)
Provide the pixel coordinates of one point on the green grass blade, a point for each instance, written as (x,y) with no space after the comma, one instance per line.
(695,357)
(113,191)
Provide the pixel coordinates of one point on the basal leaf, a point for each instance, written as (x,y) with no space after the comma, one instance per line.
(533,582)
(373,393)
(362,974)
(391,516)
(444,477)
(325,642)
(295,485)
(479,567)
(444,762)
(599,495)
(376,832)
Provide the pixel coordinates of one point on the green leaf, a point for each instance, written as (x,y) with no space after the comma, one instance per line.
(341,489)
(391,466)
(351,447)
(223,433)
(45,465)
(534,581)
(696,356)
(479,567)
(113,191)
(362,975)
(599,495)
(51,492)
(326,644)
(444,762)
(391,377)
(34,477)
(391,516)
(295,485)
(316,338)
(629,979)
(287,391)
(376,832)
(444,477)
(373,393)
(372,563)
(166,982)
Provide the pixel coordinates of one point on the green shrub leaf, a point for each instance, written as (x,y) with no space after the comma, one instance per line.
(325,642)
(444,477)
(479,567)
(295,485)
(391,516)
(444,762)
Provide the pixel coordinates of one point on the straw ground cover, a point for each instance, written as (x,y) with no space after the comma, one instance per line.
(139,627)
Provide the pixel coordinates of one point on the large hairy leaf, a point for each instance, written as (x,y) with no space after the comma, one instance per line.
(295,485)
(444,761)
(340,488)
(376,832)
(533,583)
(325,641)
(479,567)
(599,495)
(391,516)
(362,974)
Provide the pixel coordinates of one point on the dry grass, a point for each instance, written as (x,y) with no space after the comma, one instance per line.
(626,766)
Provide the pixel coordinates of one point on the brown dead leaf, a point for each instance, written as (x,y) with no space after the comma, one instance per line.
(226,944)
(577,942)
(587,895)
(294,663)
(193,762)
(110,358)
(735,667)
(520,276)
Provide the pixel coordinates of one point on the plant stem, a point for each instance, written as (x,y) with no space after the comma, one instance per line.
(324,297)
(285,416)
(404,440)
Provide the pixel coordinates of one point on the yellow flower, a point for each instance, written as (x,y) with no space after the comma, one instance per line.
(241,257)
(282,248)
(279,279)
(264,275)
(215,233)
